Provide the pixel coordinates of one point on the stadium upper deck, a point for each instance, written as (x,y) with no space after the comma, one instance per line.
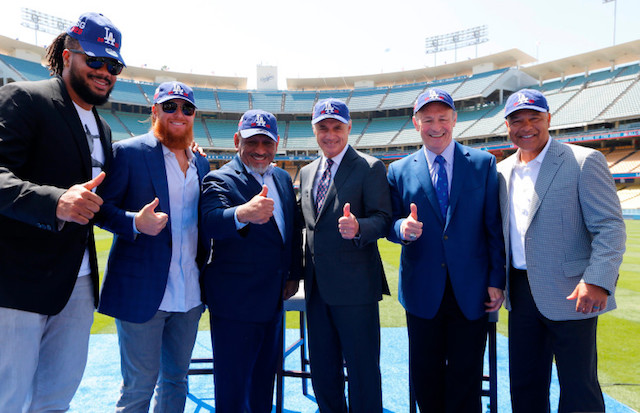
(594,97)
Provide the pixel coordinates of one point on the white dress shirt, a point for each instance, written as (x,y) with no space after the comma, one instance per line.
(323,165)
(183,287)
(522,187)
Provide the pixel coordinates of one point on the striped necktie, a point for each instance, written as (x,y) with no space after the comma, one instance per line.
(323,186)
(442,186)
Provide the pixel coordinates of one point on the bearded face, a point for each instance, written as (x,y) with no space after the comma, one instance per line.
(174,130)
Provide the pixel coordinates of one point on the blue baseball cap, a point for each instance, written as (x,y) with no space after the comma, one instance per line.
(433,95)
(258,122)
(173,90)
(330,108)
(526,99)
(97,36)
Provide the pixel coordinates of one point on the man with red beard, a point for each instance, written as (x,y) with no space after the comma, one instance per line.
(151,283)
(53,148)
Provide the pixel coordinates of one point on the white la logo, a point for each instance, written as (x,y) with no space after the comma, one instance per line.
(108,37)
(260,121)
(522,99)
(433,94)
(177,90)
(328,108)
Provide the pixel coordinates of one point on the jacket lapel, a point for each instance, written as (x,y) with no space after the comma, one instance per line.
(550,165)
(421,170)
(62,101)
(460,176)
(154,159)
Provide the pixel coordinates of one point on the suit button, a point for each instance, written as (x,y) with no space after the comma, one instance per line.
(443,265)
(446,237)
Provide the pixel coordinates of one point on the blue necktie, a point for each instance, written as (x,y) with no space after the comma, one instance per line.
(442,186)
(323,186)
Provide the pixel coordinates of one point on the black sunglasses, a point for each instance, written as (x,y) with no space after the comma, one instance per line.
(187,108)
(113,66)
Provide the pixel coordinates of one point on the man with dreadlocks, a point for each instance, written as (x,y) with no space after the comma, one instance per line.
(53,150)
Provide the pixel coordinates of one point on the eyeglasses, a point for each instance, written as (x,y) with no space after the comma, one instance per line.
(113,66)
(187,108)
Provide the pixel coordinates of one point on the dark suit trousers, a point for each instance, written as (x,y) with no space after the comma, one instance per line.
(245,357)
(533,342)
(349,333)
(446,356)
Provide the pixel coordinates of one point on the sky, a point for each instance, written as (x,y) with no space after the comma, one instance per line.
(306,38)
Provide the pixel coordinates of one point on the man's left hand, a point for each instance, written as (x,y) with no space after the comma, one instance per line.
(197,149)
(590,298)
(496,297)
(348,224)
(290,289)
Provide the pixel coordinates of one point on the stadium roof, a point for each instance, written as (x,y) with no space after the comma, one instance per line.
(509,58)
(586,62)
(32,52)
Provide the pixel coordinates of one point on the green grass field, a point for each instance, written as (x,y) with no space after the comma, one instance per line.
(618,331)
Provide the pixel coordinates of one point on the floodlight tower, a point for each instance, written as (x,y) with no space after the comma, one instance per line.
(615,9)
(42,22)
(462,38)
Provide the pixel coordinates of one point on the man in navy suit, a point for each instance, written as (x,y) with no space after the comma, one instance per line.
(249,211)
(151,283)
(447,217)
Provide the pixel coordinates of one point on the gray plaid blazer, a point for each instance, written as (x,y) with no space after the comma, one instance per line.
(575,231)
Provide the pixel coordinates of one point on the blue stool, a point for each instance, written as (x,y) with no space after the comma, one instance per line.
(295,303)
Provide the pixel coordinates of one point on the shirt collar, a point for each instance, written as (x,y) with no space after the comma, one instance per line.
(447,154)
(336,159)
(166,151)
(537,159)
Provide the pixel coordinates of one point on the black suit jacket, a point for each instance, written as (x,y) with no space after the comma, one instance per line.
(347,272)
(43,152)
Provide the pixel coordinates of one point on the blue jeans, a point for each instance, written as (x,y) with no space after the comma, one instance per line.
(42,358)
(156,354)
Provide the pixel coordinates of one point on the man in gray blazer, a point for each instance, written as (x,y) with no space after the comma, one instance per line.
(565,238)
(346,206)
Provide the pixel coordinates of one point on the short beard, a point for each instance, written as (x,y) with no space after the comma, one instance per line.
(80,87)
(170,139)
(259,171)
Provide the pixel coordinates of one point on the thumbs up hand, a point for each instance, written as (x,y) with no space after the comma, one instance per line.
(348,224)
(79,204)
(150,222)
(258,210)
(411,228)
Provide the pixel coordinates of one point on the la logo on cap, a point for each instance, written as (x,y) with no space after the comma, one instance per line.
(260,121)
(522,99)
(328,108)
(177,90)
(433,94)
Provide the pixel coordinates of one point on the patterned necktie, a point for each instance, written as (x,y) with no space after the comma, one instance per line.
(323,186)
(442,186)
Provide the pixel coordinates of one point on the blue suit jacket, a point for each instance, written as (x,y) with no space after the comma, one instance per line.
(138,267)
(468,243)
(245,275)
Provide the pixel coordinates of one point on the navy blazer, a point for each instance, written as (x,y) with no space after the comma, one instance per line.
(138,267)
(245,276)
(467,244)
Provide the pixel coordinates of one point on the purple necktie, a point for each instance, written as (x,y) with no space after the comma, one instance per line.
(323,186)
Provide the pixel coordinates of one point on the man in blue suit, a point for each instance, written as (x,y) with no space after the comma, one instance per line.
(151,282)
(447,217)
(249,211)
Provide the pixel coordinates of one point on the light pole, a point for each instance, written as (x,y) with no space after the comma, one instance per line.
(615,10)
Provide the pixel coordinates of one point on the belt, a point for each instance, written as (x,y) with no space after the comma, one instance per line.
(517,272)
